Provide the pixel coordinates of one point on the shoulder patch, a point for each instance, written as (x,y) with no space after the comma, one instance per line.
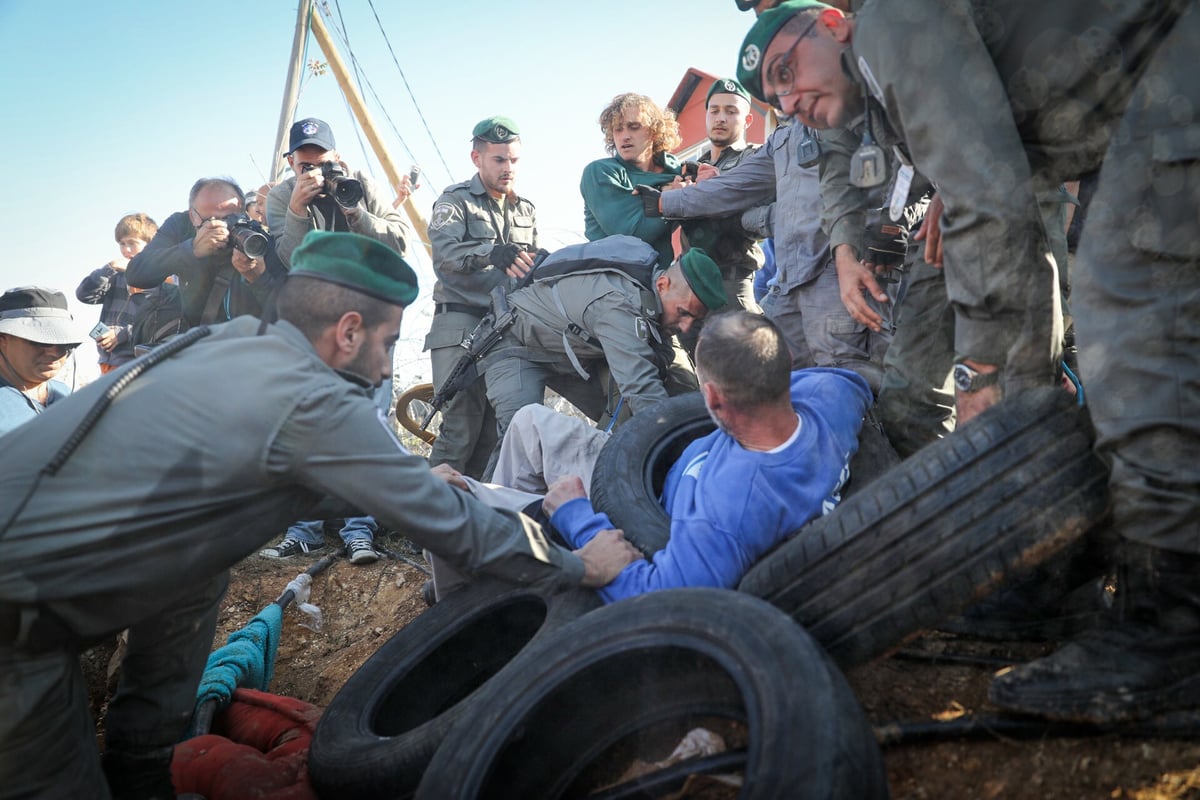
(869,77)
(387,426)
(442,214)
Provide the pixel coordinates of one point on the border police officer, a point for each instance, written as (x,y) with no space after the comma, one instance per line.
(483,235)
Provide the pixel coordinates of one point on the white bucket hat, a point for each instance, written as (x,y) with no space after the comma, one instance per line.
(39,315)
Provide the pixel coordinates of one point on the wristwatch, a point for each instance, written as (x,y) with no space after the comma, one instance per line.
(969,380)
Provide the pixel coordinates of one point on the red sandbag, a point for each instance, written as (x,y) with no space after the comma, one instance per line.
(258,749)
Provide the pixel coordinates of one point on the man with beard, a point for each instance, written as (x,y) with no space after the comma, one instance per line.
(995,99)
(206,475)
(727,115)
(483,235)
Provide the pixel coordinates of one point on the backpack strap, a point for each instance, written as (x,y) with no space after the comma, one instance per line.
(575,329)
(216,295)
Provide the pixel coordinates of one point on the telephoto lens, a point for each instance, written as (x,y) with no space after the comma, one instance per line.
(247,235)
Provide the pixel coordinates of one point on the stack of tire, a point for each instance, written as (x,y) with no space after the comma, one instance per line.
(501,691)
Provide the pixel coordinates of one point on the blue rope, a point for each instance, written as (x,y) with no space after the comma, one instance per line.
(616,411)
(1075,380)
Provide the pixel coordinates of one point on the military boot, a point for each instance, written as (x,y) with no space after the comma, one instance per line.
(1142,660)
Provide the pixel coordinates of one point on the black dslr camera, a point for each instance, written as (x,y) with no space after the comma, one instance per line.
(346,191)
(246,235)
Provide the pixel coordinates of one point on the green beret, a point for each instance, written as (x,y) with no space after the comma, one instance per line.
(754,46)
(497,130)
(356,262)
(704,277)
(727,86)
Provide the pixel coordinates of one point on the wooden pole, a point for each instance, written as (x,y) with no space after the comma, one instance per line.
(338,67)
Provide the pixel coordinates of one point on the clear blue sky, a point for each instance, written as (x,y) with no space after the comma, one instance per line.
(118,106)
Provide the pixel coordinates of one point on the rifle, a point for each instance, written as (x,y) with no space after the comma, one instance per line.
(487,333)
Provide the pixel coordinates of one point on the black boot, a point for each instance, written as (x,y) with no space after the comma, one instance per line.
(1142,661)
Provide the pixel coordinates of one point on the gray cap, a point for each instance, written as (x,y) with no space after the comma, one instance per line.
(39,315)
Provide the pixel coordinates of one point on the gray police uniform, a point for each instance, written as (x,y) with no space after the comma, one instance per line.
(916,399)
(377,218)
(736,252)
(1026,114)
(779,198)
(585,321)
(916,396)
(466,224)
(208,476)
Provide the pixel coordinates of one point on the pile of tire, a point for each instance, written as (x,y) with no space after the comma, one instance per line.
(501,691)
(561,718)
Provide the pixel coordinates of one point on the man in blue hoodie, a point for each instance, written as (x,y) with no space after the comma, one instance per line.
(778,459)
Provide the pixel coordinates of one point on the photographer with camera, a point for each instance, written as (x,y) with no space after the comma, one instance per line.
(324,195)
(225,261)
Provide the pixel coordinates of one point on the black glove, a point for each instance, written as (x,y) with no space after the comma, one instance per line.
(503,255)
(649,197)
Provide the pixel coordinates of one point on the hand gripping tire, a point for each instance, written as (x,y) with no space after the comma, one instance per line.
(379,732)
(945,527)
(627,681)
(632,467)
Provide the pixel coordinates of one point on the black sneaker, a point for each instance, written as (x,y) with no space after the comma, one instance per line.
(361,551)
(291,547)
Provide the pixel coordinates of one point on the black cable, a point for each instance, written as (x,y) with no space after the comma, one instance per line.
(379,102)
(392,554)
(668,779)
(1172,725)
(969,659)
(412,96)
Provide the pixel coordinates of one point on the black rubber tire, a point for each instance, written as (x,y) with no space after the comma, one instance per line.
(632,467)
(942,529)
(380,730)
(633,464)
(628,680)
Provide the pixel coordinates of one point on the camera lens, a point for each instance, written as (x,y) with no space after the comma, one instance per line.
(347,192)
(250,242)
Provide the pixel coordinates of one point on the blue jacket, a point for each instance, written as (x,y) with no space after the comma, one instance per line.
(728,505)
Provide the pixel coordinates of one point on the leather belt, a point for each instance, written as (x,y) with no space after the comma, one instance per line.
(459,308)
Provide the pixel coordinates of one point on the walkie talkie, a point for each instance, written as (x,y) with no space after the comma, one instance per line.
(868,165)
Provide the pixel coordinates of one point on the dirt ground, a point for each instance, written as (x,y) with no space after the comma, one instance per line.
(363,606)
